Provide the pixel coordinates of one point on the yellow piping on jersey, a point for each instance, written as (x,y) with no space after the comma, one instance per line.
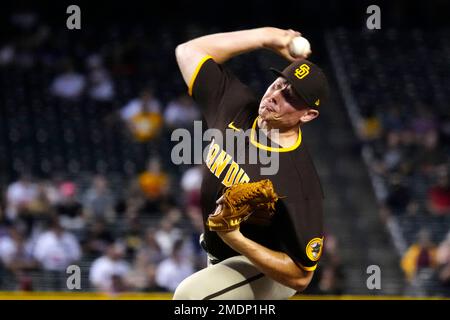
(308,268)
(259,145)
(197,70)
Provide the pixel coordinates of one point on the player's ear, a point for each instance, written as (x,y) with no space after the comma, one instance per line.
(309,115)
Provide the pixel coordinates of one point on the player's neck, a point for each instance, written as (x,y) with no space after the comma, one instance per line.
(285,137)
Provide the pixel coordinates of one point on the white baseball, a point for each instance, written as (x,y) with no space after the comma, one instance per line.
(299,47)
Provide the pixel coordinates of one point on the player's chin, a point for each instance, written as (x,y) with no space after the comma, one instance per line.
(270,118)
(266,115)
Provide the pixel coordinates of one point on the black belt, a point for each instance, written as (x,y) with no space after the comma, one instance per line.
(211,258)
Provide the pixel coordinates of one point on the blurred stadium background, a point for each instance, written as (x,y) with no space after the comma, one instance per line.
(86,176)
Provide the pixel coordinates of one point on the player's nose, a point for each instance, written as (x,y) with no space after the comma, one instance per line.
(276,97)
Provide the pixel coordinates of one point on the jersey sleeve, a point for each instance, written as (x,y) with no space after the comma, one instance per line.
(302,235)
(218,92)
(300,224)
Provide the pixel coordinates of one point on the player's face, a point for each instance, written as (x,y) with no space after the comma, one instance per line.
(281,106)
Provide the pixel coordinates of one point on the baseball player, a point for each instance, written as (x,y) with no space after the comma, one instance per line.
(254,261)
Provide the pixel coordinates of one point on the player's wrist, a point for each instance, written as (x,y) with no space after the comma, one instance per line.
(267,37)
(230,237)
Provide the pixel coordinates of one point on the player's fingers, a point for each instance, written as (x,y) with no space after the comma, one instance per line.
(220,200)
(218,210)
(285,53)
(295,33)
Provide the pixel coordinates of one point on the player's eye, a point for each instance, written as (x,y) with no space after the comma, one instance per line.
(288,94)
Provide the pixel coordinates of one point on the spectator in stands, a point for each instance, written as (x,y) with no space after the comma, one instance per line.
(154,182)
(392,119)
(431,155)
(150,247)
(19,195)
(409,149)
(445,129)
(7,54)
(181,112)
(135,201)
(443,262)
(149,194)
(419,263)
(108,272)
(70,210)
(389,154)
(16,256)
(3,222)
(98,200)
(131,235)
(97,239)
(41,203)
(439,195)
(167,235)
(329,283)
(55,250)
(399,196)
(142,275)
(424,121)
(331,277)
(191,181)
(143,116)
(69,84)
(38,209)
(371,129)
(131,190)
(50,187)
(101,87)
(393,153)
(174,269)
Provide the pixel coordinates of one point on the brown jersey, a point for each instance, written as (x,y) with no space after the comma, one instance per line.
(297,226)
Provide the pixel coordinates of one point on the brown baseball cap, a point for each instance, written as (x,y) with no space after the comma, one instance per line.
(308,81)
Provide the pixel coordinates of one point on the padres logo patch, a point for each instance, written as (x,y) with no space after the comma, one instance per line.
(302,71)
(314,249)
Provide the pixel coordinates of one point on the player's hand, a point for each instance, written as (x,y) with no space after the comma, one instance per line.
(278,40)
(230,237)
(223,208)
(226,236)
(238,202)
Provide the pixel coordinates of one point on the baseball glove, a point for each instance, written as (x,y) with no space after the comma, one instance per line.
(239,201)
